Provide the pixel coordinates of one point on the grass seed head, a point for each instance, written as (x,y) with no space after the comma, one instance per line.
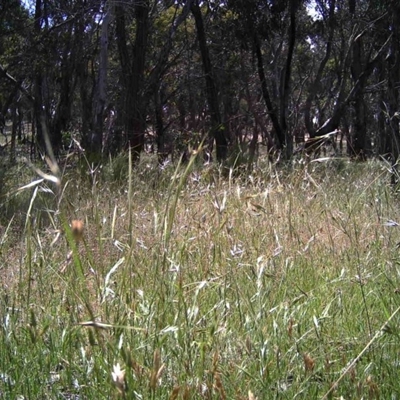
(219,386)
(118,377)
(373,391)
(290,328)
(248,344)
(157,369)
(309,363)
(175,392)
(251,396)
(77,228)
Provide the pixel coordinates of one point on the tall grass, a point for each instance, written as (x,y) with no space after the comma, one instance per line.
(190,284)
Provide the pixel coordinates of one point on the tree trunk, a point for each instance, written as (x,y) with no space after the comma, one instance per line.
(273,113)
(315,84)
(100,97)
(383,133)
(43,139)
(162,153)
(343,100)
(359,125)
(85,104)
(217,128)
(285,83)
(85,86)
(135,104)
(14,119)
(393,63)
(38,83)
(63,112)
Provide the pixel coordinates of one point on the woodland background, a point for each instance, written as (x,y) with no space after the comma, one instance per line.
(237,74)
(262,275)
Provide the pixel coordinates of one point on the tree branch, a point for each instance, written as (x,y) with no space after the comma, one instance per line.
(4,72)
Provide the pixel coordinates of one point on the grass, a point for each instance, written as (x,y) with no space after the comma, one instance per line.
(189,284)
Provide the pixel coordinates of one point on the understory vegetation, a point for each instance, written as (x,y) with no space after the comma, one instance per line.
(194,283)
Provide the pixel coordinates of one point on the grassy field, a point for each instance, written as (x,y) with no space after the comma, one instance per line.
(192,284)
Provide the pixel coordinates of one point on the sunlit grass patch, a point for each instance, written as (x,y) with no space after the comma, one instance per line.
(230,287)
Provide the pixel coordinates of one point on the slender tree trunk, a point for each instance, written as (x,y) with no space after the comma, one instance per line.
(359,125)
(85,104)
(38,83)
(217,128)
(383,135)
(393,92)
(100,97)
(315,84)
(343,99)
(86,86)
(135,103)
(273,113)
(285,84)
(159,127)
(14,119)
(63,112)
(41,107)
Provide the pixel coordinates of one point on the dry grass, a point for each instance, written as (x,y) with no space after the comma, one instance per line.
(188,284)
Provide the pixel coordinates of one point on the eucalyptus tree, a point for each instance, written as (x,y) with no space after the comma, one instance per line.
(200,90)
(14,27)
(218,130)
(140,80)
(349,41)
(391,104)
(269,28)
(55,48)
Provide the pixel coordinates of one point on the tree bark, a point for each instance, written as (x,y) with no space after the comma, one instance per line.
(272,111)
(38,83)
(315,84)
(63,111)
(135,104)
(285,84)
(359,130)
(217,128)
(343,100)
(393,106)
(100,97)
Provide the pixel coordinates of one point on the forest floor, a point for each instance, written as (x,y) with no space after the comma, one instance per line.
(190,283)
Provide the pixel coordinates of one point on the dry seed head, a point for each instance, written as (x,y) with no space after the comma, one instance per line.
(138,369)
(186,393)
(153,380)
(309,363)
(373,391)
(290,328)
(118,377)
(251,396)
(175,392)
(215,362)
(248,344)
(160,371)
(352,374)
(219,386)
(157,369)
(156,360)
(359,389)
(77,228)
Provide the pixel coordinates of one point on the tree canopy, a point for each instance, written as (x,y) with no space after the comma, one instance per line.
(233,73)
